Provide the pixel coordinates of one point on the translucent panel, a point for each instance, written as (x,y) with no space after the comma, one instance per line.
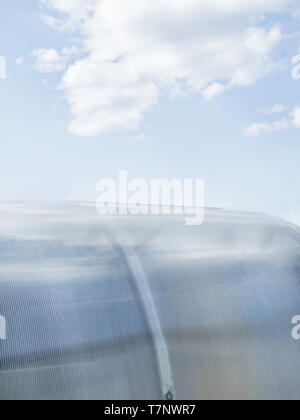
(145,307)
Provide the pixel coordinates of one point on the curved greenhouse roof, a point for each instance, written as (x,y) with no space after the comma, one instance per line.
(145,307)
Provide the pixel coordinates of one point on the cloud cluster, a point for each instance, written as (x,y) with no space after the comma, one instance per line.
(138,50)
(261,129)
(48,61)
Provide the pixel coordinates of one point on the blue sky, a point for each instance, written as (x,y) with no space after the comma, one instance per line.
(52,149)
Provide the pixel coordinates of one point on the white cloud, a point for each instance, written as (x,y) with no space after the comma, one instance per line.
(19,61)
(77,11)
(296,68)
(213,90)
(282,124)
(139,49)
(261,129)
(48,61)
(258,129)
(276,109)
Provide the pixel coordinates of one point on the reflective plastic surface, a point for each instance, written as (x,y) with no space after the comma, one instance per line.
(141,307)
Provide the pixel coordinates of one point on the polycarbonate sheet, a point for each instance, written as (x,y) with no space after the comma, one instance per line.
(207,313)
